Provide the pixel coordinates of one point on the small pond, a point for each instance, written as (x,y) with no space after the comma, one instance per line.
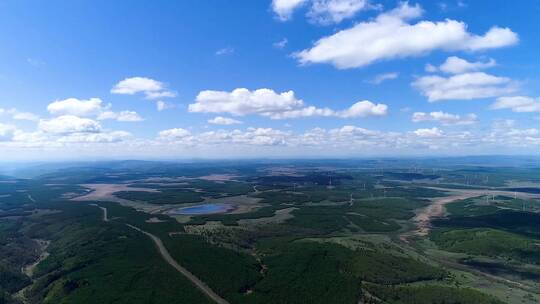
(203,209)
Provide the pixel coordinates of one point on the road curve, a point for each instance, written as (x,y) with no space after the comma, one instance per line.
(105,217)
(169,259)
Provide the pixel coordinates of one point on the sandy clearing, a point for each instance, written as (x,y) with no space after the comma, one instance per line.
(218,177)
(154,220)
(101,192)
(105,193)
(437,208)
(29,269)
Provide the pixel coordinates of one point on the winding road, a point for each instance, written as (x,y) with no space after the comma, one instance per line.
(171,261)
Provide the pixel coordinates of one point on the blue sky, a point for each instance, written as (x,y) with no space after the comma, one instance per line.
(283,78)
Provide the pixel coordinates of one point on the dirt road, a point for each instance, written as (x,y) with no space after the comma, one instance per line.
(169,259)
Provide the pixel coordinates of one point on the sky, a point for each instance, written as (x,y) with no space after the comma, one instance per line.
(282,78)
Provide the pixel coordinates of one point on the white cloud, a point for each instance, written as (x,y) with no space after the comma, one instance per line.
(285,8)
(160,94)
(103,137)
(251,136)
(261,136)
(25,116)
(266,102)
(174,134)
(161,105)
(124,116)
(242,102)
(335,11)
(428,133)
(346,140)
(444,118)
(364,108)
(91,107)
(225,51)
(69,124)
(456,65)
(391,36)
(520,104)
(301,112)
(464,86)
(281,44)
(18,115)
(152,89)
(378,79)
(431,68)
(77,107)
(6,132)
(320,11)
(219,120)
(506,133)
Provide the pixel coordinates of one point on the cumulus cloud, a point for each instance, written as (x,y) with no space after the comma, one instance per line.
(25,116)
(519,104)
(93,107)
(378,79)
(428,133)
(174,134)
(219,120)
(61,131)
(261,136)
(444,118)
(6,132)
(505,132)
(346,140)
(251,136)
(390,35)
(431,68)
(364,108)
(335,11)
(102,137)
(285,8)
(243,101)
(225,51)
(152,89)
(18,115)
(280,44)
(464,86)
(266,102)
(456,65)
(77,107)
(67,124)
(162,105)
(320,11)
(124,116)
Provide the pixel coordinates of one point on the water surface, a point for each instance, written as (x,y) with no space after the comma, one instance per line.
(203,209)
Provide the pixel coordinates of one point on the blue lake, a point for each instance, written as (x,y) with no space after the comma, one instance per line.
(203,209)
